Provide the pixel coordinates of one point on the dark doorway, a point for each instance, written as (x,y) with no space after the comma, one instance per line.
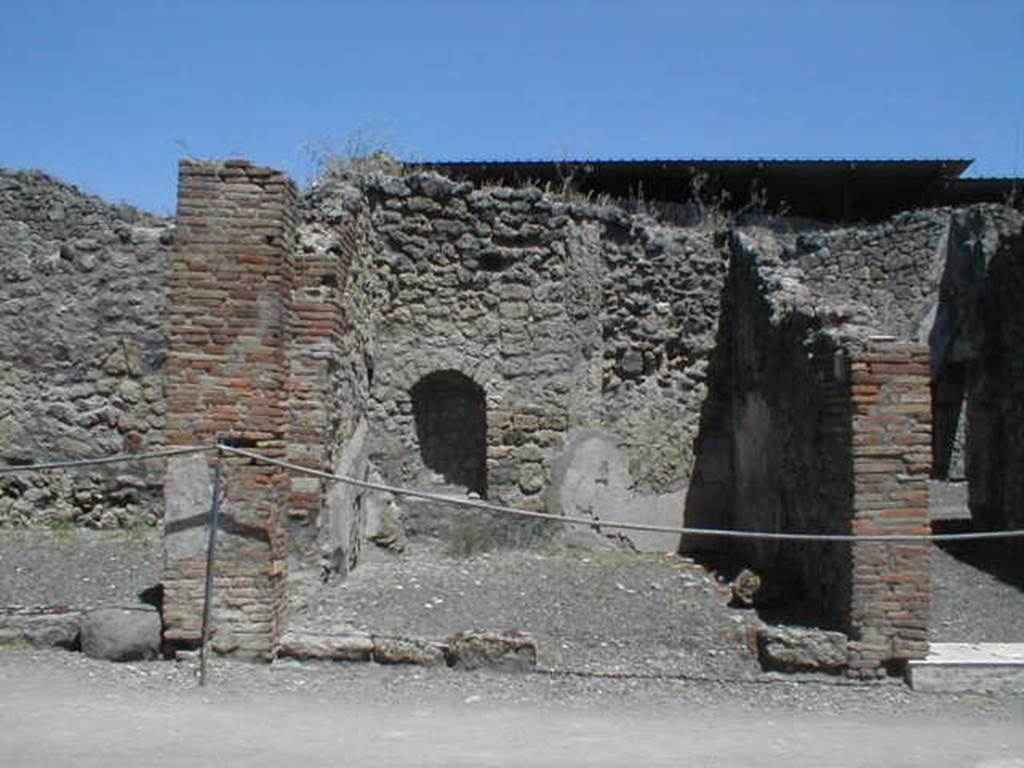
(451,428)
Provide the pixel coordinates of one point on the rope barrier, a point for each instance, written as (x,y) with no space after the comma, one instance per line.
(119,458)
(528,513)
(514,511)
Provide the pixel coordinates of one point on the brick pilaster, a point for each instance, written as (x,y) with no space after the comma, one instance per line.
(891,435)
(227,379)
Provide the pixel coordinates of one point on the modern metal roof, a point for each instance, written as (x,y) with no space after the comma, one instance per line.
(824,189)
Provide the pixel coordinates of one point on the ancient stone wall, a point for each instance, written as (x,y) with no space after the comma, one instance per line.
(791,427)
(337,291)
(472,289)
(891,268)
(924,276)
(635,416)
(977,356)
(661,304)
(544,353)
(564,315)
(973,340)
(775,434)
(82,297)
(818,425)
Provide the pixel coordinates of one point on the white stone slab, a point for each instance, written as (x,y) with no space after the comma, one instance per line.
(974,653)
(952,667)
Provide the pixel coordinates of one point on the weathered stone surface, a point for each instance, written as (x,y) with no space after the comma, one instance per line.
(592,478)
(801,648)
(507,651)
(535,307)
(383,519)
(122,634)
(511,651)
(407,650)
(40,627)
(342,646)
(188,494)
(82,291)
(745,587)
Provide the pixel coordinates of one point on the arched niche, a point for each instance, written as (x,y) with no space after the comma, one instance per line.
(450,413)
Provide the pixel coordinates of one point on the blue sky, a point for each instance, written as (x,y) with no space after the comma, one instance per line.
(109,94)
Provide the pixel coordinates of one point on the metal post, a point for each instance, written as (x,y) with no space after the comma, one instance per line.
(208,586)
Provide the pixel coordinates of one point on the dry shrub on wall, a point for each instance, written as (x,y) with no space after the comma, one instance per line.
(369,148)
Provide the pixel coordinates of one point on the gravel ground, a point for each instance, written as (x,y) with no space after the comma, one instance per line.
(385,685)
(601,612)
(617,612)
(978,587)
(78,567)
(972,605)
(60,709)
(608,611)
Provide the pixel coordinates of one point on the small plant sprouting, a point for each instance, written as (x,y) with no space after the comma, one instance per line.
(367,148)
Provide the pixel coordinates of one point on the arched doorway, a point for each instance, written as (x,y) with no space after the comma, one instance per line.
(451,428)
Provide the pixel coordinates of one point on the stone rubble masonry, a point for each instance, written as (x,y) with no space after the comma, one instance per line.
(83,286)
(332,319)
(565,314)
(891,267)
(891,589)
(473,283)
(227,379)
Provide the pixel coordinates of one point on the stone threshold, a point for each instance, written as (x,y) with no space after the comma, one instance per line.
(509,651)
(955,667)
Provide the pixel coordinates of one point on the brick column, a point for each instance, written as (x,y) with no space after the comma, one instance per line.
(891,435)
(316,326)
(227,379)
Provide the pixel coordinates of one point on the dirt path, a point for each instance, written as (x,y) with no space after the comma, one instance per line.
(59,710)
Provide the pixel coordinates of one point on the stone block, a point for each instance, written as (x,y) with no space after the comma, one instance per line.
(122,634)
(383,525)
(632,364)
(342,646)
(40,627)
(531,478)
(794,649)
(188,489)
(509,651)
(407,650)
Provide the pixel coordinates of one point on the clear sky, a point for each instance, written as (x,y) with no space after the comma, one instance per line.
(109,94)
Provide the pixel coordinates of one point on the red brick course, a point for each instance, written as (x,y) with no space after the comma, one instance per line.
(227,379)
(891,587)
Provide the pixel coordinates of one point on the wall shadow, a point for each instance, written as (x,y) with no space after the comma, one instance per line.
(773,453)
(1001,558)
(978,368)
